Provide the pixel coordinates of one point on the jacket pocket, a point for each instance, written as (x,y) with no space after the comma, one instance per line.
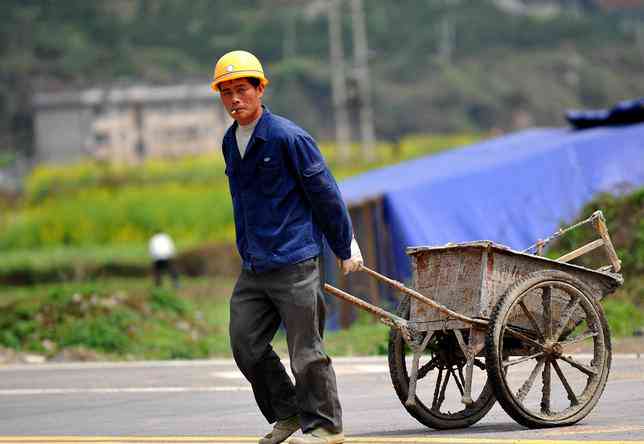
(269,179)
(315,179)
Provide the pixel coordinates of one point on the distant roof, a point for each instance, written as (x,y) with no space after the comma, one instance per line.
(120,95)
(621,4)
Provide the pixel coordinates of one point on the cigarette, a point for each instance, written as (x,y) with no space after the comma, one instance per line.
(233,111)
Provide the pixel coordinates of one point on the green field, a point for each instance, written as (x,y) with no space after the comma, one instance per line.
(83,220)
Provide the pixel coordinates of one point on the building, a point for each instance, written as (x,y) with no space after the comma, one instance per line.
(127,124)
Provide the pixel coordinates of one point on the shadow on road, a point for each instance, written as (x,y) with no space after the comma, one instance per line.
(487,428)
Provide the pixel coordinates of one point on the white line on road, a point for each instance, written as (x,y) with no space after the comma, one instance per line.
(337,362)
(578,430)
(246,439)
(341,370)
(109,390)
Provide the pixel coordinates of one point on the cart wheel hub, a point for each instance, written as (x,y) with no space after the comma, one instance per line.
(552,348)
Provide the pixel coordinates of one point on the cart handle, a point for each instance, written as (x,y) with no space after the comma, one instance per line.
(422,298)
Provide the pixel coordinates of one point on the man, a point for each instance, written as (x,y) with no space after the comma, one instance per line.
(162,251)
(285,199)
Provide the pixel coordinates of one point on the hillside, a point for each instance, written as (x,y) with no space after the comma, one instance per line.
(435,66)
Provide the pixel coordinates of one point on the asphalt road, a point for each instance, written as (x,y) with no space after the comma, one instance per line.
(209,401)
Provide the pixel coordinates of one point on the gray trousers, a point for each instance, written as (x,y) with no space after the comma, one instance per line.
(260,302)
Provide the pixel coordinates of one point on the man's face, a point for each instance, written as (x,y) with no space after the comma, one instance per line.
(242,100)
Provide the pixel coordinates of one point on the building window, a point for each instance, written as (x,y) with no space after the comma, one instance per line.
(101,138)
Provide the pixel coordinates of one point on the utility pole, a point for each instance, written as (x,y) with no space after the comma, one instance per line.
(338,81)
(446,41)
(639,38)
(360,54)
(289,47)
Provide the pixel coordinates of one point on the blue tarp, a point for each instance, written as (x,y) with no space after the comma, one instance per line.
(513,189)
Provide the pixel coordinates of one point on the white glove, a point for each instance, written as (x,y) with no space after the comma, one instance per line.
(355,261)
(355,250)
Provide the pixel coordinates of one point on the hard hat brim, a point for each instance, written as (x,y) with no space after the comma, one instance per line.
(238,75)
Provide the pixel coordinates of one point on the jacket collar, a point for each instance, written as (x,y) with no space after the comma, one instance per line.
(261,129)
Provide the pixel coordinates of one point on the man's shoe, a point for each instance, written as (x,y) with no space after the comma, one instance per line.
(282,429)
(318,436)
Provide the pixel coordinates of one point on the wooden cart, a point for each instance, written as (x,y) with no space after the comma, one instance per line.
(485,323)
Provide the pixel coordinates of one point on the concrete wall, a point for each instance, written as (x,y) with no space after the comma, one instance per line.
(127,125)
(62,134)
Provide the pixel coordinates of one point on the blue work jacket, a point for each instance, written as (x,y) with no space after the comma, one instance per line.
(284,196)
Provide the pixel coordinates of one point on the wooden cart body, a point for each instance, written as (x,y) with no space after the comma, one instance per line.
(471,277)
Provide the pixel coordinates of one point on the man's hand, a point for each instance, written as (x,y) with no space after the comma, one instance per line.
(352,264)
(355,262)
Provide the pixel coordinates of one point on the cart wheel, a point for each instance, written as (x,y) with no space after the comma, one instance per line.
(440,380)
(533,330)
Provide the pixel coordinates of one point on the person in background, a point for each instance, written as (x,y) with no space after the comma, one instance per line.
(162,251)
(285,200)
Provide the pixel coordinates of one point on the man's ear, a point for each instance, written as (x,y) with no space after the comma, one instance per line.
(260,90)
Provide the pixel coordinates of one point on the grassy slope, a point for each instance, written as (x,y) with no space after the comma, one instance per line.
(128,319)
(118,318)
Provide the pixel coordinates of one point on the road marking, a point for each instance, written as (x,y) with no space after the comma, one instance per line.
(448,440)
(366,369)
(626,376)
(245,439)
(337,361)
(233,374)
(592,430)
(93,365)
(128,439)
(340,370)
(111,390)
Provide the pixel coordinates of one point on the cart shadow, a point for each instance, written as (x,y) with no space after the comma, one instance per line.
(473,430)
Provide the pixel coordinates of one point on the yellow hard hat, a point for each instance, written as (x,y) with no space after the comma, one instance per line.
(235,65)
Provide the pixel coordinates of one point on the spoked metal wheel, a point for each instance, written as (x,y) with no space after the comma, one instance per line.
(441,381)
(548,350)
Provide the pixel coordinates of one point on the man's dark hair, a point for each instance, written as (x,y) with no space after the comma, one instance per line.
(254,81)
